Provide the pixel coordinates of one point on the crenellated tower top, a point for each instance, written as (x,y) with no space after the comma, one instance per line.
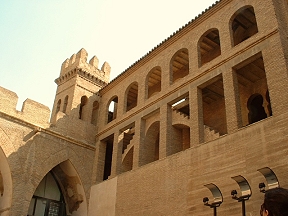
(79,61)
(78,81)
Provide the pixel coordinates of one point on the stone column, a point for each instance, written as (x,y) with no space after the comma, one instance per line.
(277,75)
(165,76)
(139,139)
(165,147)
(117,153)
(232,101)
(141,92)
(99,161)
(196,116)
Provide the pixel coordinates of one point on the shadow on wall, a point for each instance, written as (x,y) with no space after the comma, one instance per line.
(39,155)
(45,175)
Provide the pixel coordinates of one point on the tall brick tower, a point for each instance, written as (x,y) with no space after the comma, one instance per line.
(77,87)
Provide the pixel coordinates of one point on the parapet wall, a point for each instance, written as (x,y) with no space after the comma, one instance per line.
(32,111)
(79,60)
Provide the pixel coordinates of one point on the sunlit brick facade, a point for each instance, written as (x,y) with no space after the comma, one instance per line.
(206,109)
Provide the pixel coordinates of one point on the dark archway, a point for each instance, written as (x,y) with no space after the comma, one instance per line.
(256,109)
(209,46)
(153,82)
(243,24)
(131,96)
(65,104)
(84,101)
(179,65)
(58,106)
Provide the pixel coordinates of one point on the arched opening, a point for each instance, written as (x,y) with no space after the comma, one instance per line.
(112,109)
(209,46)
(253,92)
(58,106)
(82,113)
(5,184)
(256,109)
(131,96)
(94,112)
(243,25)
(153,83)
(48,199)
(65,104)
(149,150)
(59,193)
(179,65)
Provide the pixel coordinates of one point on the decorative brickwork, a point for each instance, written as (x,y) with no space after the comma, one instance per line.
(206,108)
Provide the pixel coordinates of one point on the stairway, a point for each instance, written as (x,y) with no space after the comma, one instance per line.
(210,134)
(179,114)
(127,141)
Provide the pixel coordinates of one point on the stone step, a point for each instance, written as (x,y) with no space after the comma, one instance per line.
(210,134)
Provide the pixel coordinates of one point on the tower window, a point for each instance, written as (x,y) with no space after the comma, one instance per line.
(84,100)
(58,106)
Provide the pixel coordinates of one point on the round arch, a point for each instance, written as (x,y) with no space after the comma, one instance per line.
(111,109)
(241,31)
(179,65)
(153,82)
(149,149)
(209,46)
(131,96)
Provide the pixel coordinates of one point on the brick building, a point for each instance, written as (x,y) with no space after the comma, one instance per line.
(201,115)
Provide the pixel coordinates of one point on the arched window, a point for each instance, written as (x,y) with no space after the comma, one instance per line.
(153,83)
(256,109)
(65,104)
(112,109)
(209,46)
(243,24)
(47,199)
(84,101)
(94,112)
(251,78)
(132,96)
(58,106)
(179,65)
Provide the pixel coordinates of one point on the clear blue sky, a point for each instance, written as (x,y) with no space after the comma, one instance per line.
(36,36)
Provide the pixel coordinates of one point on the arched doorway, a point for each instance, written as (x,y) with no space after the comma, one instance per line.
(47,199)
(59,193)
